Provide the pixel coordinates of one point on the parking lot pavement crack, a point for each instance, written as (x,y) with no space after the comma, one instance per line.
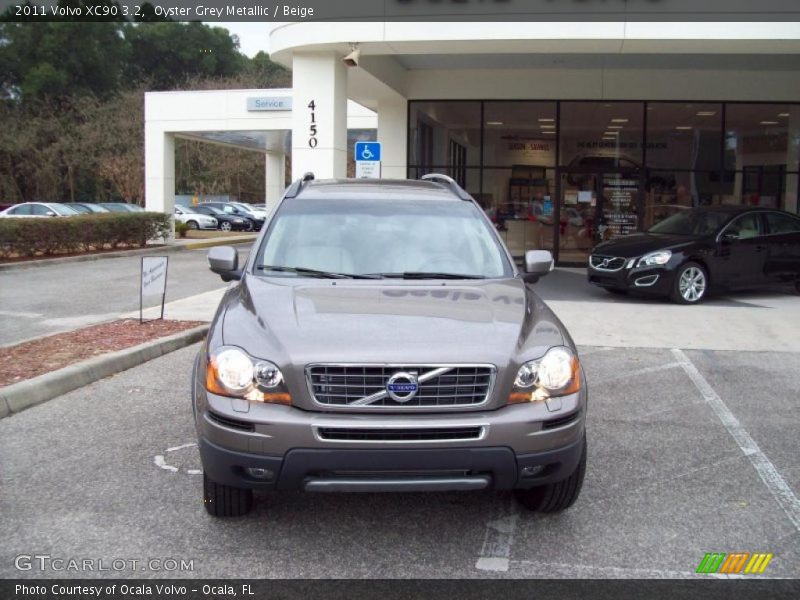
(769,474)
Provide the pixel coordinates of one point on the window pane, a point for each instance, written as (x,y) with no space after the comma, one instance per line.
(745,227)
(601,134)
(759,135)
(762,186)
(434,125)
(779,223)
(519,133)
(684,136)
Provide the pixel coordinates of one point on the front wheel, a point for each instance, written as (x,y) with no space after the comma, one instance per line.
(193,225)
(225,501)
(690,285)
(557,496)
(225,226)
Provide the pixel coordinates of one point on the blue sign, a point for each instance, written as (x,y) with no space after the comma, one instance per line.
(368,151)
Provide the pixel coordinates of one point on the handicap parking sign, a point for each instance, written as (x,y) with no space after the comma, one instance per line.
(368,151)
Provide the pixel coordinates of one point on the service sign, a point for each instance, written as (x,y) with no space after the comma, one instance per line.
(269,103)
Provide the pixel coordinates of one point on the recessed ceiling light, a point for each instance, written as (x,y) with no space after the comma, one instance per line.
(547,126)
(494,122)
(611,133)
(546,120)
(769,122)
(610,139)
(783,115)
(549,131)
(619,120)
(615,127)
(684,127)
(706,113)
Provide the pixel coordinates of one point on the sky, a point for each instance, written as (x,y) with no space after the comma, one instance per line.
(253,37)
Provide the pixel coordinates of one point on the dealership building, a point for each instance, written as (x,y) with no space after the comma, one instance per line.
(566,133)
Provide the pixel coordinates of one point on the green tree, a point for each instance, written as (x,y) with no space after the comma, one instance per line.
(165,54)
(50,60)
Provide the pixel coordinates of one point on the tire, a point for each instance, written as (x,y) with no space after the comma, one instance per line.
(225,226)
(225,501)
(192,225)
(250,226)
(558,496)
(690,285)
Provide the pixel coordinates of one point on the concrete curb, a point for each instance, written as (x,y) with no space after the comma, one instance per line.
(19,396)
(45,262)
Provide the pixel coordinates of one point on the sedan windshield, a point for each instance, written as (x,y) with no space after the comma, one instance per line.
(696,222)
(63,209)
(427,239)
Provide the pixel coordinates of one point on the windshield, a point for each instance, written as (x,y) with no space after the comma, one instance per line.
(379,237)
(693,222)
(63,209)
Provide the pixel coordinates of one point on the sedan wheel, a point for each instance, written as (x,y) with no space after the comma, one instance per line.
(691,284)
(225,226)
(193,225)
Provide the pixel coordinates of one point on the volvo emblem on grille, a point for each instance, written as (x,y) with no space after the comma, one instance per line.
(604,263)
(402,386)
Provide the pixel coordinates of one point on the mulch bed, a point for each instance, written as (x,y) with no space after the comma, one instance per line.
(37,357)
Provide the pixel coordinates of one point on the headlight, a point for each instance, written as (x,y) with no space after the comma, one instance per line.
(233,373)
(557,373)
(655,258)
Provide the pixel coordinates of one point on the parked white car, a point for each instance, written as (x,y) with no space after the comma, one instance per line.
(39,209)
(194,220)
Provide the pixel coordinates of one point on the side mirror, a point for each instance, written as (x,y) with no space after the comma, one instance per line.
(50,213)
(224,261)
(537,264)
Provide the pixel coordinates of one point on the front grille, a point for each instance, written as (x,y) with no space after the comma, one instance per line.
(366,385)
(421,434)
(232,423)
(606,263)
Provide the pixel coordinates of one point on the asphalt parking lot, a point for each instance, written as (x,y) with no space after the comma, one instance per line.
(690,451)
(49,299)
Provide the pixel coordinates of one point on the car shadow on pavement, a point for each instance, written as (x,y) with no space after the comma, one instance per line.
(571,285)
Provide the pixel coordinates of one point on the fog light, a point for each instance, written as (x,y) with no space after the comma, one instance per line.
(259,473)
(531,471)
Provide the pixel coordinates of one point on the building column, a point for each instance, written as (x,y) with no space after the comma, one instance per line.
(159,172)
(319,115)
(275,177)
(393,135)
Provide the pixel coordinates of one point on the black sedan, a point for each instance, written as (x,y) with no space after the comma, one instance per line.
(691,253)
(230,209)
(226,221)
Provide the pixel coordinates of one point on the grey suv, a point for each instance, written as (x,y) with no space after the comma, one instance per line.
(379,338)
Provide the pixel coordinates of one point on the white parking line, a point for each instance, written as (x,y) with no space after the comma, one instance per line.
(496,550)
(774,481)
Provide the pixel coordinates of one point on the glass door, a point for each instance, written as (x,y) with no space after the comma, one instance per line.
(619,199)
(579,204)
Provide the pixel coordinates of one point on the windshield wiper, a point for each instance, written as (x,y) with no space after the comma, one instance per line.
(315,272)
(427,275)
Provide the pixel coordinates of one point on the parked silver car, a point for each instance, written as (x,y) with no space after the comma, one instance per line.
(38,209)
(379,338)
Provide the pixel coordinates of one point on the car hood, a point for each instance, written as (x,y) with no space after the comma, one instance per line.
(301,321)
(642,243)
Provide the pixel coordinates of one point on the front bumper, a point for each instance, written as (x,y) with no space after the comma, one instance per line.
(647,280)
(417,469)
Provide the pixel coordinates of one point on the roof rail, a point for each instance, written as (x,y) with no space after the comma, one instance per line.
(451,183)
(297,185)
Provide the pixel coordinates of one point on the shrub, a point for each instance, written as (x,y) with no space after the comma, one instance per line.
(181,229)
(60,235)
